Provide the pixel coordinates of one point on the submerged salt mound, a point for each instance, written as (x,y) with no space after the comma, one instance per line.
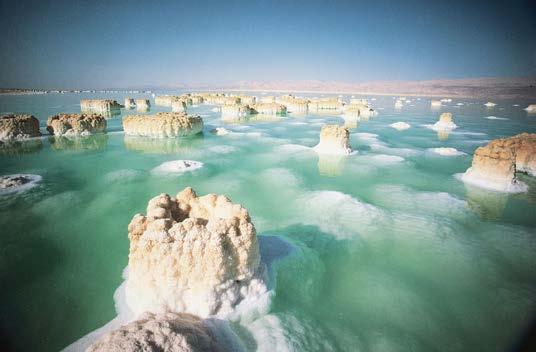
(446,151)
(167,332)
(489,104)
(76,124)
(495,165)
(220,131)
(445,123)
(177,166)
(334,139)
(400,125)
(17,182)
(163,125)
(192,254)
(14,126)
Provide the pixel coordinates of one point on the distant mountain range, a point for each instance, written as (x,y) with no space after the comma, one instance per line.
(503,88)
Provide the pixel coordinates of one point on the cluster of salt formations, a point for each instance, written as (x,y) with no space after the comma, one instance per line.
(495,165)
(330,104)
(163,124)
(143,104)
(400,125)
(267,99)
(334,140)
(233,111)
(531,108)
(436,103)
(192,254)
(170,332)
(268,109)
(445,123)
(99,105)
(163,100)
(13,183)
(76,124)
(18,127)
(359,108)
(293,104)
(247,99)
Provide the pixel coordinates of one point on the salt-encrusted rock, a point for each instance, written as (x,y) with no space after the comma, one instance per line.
(230,111)
(163,100)
(169,332)
(294,105)
(162,125)
(267,99)
(247,99)
(76,124)
(220,131)
(359,110)
(531,108)
(268,109)
(130,103)
(192,254)
(143,104)
(178,105)
(445,122)
(99,105)
(400,125)
(436,103)
(330,104)
(334,139)
(495,165)
(399,104)
(18,127)
(14,183)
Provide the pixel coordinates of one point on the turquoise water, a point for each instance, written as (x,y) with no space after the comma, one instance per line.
(389,251)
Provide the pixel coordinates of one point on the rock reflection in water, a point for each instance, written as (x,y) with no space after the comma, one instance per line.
(75,143)
(21,147)
(162,145)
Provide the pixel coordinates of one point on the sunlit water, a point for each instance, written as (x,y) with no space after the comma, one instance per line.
(389,251)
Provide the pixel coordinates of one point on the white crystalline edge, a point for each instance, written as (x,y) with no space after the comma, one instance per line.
(496,118)
(506,187)
(34,179)
(177,166)
(446,151)
(438,126)
(400,125)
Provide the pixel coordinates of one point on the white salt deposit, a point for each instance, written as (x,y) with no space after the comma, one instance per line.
(400,125)
(496,118)
(499,186)
(18,183)
(177,166)
(489,104)
(446,151)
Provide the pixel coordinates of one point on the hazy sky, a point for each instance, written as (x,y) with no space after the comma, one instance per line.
(71,44)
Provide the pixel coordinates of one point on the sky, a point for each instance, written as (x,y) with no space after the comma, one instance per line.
(128,44)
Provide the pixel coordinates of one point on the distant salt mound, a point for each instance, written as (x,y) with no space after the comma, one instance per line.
(334,139)
(445,123)
(489,104)
(446,151)
(17,182)
(177,166)
(496,118)
(400,126)
(169,332)
(531,108)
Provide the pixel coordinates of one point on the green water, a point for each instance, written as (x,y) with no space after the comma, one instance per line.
(388,254)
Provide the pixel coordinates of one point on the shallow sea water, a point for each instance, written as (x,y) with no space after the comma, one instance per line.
(386,249)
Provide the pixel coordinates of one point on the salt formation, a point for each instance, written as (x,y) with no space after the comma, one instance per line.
(293,104)
(268,109)
(445,122)
(231,111)
(177,166)
(99,105)
(163,124)
(400,125)
(334,139)
(192,254)
(489,104)
(163,100)
(267,99)
(399,104)
(330,104)
(76,124)
(446,151)
(17,182)
(359,109)
(495,165)
(178,105)
(170,332)
(435,103)
(18,127)
(130,103)
(446,100)
(220,131)
(531,108)
(247,99)
(143,104)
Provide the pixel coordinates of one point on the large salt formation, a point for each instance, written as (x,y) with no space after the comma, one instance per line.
(170,332)
(163,125)
(495,165)
(445,122)
(334,139)
(268,109)
(192,254)
(234,111)
(76,124)
(99,105)
(359,108)
(332,104)
(293,104)
(18,127)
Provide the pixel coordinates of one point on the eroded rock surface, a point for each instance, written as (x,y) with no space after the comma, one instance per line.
(163,125)
(13,126)
(334,139)
(76,124)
